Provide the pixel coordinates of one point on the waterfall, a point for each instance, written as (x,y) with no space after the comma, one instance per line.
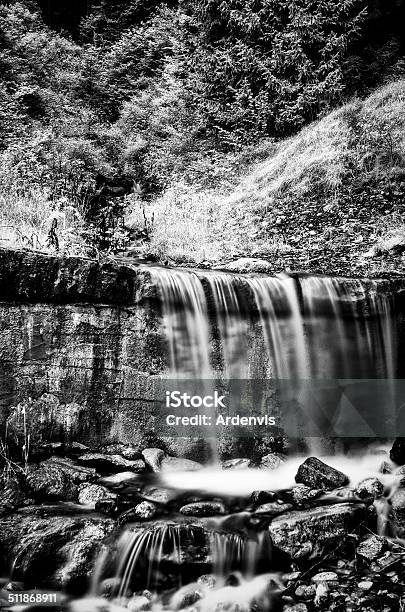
(300,320)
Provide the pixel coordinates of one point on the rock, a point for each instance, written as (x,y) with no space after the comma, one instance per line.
(301,494)
(370,487)
(111,463)
(90,494)
(50,482)
(400,475)
(310,534)
(208,581)
(236,464)
(365,585)
(305,591)
(299,607)
(177,464)
(153,458)
(125,450)
(325,577)
(145,510)
(259,498)
(158,495)
(398,512)
(12,495)
(317,475)
(249,264)
(52,551)
(109,507)
(397,452)
(271,461)
(76,473)
(273,509)
(138,603)
(371,548)
(118,480)
(206,508)
(186,596)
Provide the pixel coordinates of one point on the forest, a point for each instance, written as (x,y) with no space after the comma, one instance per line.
(162,127)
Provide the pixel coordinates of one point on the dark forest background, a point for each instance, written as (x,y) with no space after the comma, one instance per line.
(116,114)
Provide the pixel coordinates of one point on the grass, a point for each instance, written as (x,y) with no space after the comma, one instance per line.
(338,186)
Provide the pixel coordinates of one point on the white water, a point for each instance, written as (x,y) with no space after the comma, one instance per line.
(311,327)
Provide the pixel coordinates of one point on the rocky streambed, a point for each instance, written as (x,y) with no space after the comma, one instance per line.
(331,544)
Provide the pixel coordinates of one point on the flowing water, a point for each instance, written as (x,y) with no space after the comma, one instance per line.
(220,325)
(313,327)
(226,326)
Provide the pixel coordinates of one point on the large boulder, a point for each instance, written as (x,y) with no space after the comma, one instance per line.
(318,475)
(47,549)
(111,463)
(310,534)
(397,452)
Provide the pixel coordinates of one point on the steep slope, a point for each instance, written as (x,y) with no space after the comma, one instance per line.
(331,198)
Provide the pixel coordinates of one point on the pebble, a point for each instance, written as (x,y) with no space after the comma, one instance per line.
(371,548)
(365,585)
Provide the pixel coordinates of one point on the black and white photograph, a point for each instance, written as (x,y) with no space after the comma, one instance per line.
(202,305)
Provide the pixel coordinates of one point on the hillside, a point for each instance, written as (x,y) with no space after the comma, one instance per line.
(331,198)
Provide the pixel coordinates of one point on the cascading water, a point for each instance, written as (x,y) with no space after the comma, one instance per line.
(299,319)
(308,328)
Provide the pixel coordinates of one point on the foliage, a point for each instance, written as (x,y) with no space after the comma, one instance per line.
(154,109)
(267,68)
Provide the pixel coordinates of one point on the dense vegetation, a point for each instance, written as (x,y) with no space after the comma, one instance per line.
(128,121)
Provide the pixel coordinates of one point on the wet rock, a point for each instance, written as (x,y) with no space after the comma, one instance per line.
(299,607)
(397,452)
(145,511)
(52,551)
(138,603)
(76,473)
(177,464)
(310,534)
(259,498)
(111,463)
(400,475)
(158,495)
(370,487)
(236,464)
(50,482)
(371,548)
(109,507)
(305,591)
(207,580)
(90,494)
(153,458)
(317,475)
(301,494)
(273,508)
(325,577)
(398,511)
(206,508)
(271,461)
(125,450)
(186,597)
(365,585)
(118,480)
